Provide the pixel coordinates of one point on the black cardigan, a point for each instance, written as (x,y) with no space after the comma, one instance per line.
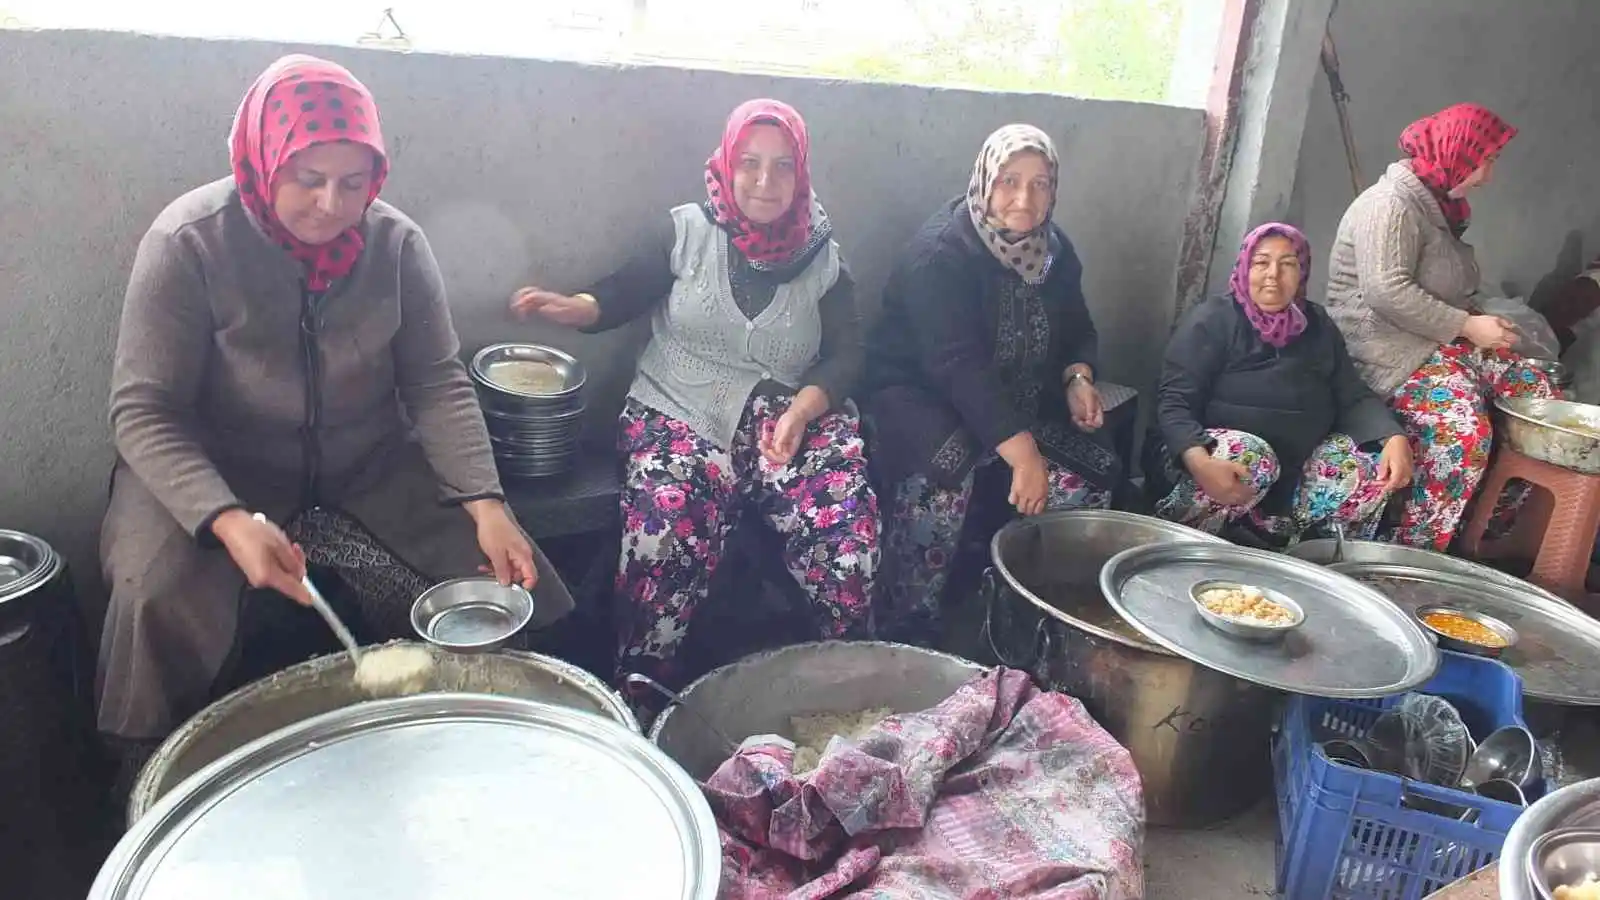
(1219,373)
(939,387)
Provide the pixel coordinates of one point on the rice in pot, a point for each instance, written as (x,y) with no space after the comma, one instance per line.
(813,733)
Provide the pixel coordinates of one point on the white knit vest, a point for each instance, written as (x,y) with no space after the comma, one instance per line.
(705,356)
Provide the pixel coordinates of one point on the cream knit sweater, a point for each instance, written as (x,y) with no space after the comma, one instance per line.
(1399,283)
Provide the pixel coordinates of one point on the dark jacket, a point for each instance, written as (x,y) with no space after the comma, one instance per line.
(1219,373)
(966,355)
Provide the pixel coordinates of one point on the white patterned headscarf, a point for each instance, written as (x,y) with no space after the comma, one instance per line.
(1026,253)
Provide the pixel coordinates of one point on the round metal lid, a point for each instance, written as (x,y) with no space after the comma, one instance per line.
(429,796)
(1354,642)
(1557,643)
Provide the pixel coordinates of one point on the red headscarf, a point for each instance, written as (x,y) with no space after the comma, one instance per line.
(802,226)
(1450,145)
(298,102)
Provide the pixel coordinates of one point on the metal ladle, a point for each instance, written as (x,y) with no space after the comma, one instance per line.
(676,699)
(320,604)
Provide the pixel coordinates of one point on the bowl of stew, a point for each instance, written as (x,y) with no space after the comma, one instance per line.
(1465,631)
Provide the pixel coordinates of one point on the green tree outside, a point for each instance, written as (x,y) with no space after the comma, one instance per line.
(1108,49)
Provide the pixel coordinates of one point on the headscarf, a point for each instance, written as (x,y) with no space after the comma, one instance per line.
(803,226)
(1026,253)
(1281,327)
(298,102)
(1450,145)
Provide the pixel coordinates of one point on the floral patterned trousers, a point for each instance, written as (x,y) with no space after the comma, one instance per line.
(680,497)
(922,537)
(1339,485)
(1444,405)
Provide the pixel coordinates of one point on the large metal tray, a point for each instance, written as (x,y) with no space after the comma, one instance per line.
(1557,643)
(1353,644)
(427,797)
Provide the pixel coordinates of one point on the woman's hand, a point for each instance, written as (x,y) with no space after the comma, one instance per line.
(1083,401)
(1223,480)
(575,312)
(781,440)
(1394,464)
(1030,478)
(503,541)
(263,553)
(1030,487)
(1490,332)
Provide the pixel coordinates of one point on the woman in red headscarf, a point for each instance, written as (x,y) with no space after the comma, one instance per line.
(284,335)
(742,395)
(1401,286)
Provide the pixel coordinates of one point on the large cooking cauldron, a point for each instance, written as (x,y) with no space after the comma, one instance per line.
(760,693)
(50,802)
(1327,551)
(327,683)
(1199,738)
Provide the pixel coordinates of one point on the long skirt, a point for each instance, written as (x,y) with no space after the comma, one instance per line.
(922,537)
(680,497)
(1445,408)
(172,622)
(1339,485)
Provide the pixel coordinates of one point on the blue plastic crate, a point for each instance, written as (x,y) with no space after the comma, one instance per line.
(1353,834)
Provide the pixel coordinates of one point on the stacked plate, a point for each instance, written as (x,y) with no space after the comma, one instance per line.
(25,563)
(532,402)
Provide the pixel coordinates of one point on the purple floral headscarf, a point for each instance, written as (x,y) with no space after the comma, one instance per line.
(1281,327)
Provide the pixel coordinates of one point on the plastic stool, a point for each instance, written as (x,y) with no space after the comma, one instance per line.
(1568,517)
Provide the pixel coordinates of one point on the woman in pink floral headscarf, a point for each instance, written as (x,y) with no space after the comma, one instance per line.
(1257,384)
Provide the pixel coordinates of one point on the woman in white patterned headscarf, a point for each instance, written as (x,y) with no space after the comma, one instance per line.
(984,355)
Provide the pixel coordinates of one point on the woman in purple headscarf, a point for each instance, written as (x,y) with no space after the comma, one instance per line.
(1258,382)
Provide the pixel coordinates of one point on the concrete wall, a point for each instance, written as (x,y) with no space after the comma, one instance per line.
(519,170)
(1531,61)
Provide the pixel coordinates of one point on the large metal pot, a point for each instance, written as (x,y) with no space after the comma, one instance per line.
(1199,738)
(1574,806)
(1326,551)
(760,693)
(327,683)
(49,763)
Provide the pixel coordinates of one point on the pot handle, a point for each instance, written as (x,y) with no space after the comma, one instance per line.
(1041,636)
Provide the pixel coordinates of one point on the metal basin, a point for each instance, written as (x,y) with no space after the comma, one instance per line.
(1198,737)
(1559,432)
(327,683)
(760,693)
(1326,551)
(1559,373)
(1574,806)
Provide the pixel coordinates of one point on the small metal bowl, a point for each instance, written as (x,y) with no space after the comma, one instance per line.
(1250,631)
(1557,371)
(1446,642)
(471,615)
(1566,857)
(572,372)
(1349,753)
(1510,753)
(1501,790)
